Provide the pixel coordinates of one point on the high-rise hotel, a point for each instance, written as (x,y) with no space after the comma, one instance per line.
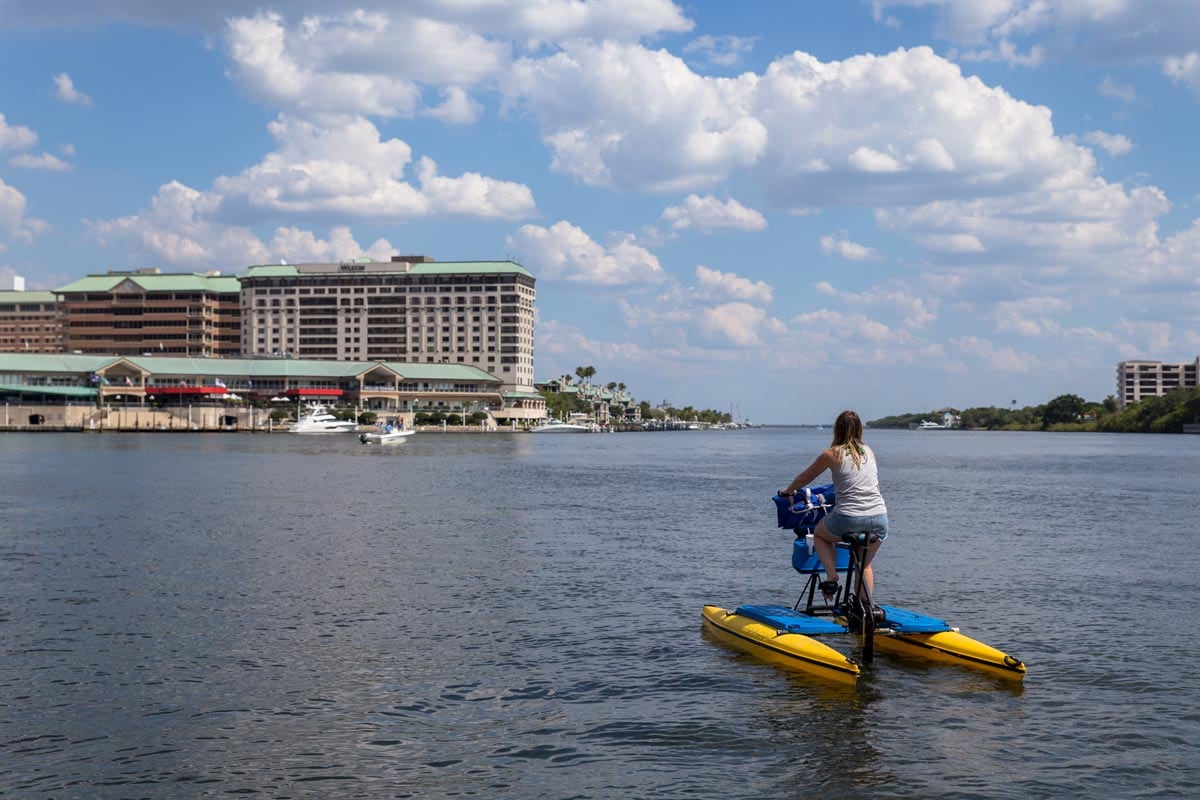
(409,309)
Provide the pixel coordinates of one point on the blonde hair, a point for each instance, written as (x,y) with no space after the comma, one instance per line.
(847,437)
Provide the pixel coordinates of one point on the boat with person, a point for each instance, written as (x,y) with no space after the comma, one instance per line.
(552,425)
(389,433)
(317,419)
(785,636)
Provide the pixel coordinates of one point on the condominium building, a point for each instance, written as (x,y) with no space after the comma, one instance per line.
(145,311)
(29,322)
(409,309)
(1140,379)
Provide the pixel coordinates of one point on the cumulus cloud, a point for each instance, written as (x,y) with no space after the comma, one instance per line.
(707,214)
(724,51)
(1115,144)
(44,161)
(565,252)
(15,137)
(845,248)
(179,229)
(347,168)
(64,90)
(15,225)
(630,117)
(713,283)
(457,107)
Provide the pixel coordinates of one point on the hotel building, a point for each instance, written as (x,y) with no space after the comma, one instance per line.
(145,311)
(29,322)
(1137,380)
(410,309)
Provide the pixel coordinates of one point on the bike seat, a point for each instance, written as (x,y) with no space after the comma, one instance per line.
(859,538)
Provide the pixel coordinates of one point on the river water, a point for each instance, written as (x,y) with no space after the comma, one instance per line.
(188,615)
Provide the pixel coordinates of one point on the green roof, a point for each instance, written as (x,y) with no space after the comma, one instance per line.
(177,282)
(441,372)
(27,297)
(53,362)
(239,367)
(57,391)
(418,268)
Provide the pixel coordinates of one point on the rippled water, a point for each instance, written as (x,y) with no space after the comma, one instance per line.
(200,615)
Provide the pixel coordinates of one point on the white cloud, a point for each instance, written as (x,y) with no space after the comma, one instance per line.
(64,90)
(712,283)
(14,224)
(725,51)
(999,359)
(564,252)
(44,161)
(707,214)
(1184,69)
(835,337)
(737,322)
(15,137)
(635,118)
(845,248)
(348,169)
(179,229)
(1110,87)
(457,107)
(1115,144)
(895,301)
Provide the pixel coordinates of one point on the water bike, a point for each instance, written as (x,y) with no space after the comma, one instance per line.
(784,636)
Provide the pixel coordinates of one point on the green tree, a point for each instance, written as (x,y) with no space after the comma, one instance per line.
(1064,408)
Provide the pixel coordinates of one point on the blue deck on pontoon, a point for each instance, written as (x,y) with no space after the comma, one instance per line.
(785,619)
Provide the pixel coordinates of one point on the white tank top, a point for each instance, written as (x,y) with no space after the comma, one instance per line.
(857,487)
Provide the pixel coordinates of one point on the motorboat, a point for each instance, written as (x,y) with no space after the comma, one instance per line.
(319,420)
(926,425)
(558,426)
(389,434)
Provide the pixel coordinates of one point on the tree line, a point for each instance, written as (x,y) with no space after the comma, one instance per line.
(1070,412)
(560,405)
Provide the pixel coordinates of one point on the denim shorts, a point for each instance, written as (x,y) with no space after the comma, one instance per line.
(839,524)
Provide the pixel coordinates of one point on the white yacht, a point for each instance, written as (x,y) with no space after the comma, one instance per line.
(558,426)
(319,420)
(926,425)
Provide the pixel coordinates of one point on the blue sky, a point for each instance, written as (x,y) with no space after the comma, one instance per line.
(791,208)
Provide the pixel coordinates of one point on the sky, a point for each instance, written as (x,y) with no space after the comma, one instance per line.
(780,209)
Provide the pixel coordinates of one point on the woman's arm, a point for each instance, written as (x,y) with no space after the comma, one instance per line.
(822,463)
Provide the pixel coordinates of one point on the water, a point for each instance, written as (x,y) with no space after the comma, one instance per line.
(519,616)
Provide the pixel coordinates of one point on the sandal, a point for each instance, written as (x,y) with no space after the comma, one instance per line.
(829,590)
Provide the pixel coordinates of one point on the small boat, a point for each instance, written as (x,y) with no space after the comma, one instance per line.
(926,425)
(319,420)
(388,435)
(558,426)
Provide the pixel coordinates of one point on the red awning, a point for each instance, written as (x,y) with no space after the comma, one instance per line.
(310,392)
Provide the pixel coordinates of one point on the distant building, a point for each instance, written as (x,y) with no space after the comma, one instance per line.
(146,311)
(1137,380)
(29,321)
(410,309)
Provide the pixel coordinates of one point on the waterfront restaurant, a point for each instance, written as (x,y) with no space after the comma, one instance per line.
(166,381)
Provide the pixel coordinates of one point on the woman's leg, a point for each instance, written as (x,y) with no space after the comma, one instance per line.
(868,573)
(823,542)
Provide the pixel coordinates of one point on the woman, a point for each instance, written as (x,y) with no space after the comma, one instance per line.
(859,505)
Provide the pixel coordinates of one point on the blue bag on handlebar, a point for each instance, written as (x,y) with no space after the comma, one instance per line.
(805,508)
